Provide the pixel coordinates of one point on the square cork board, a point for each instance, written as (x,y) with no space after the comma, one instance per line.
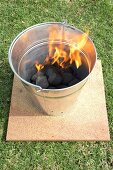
(88,122)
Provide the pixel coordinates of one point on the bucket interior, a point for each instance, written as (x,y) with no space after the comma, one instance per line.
(38,54)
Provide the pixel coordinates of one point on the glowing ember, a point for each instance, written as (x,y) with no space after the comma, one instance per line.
(57,52)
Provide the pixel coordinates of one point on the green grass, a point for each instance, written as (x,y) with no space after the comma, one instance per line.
(15,16)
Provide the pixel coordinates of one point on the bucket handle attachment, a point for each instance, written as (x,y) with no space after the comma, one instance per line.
(38,89)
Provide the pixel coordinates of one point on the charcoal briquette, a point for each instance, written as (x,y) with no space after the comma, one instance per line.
(27,74)
(49,70)
(73,69)
(67,77)
(34,77)
(42,81)
(54,79)
(73,82)
(41,72)
(82,72)
(66,70)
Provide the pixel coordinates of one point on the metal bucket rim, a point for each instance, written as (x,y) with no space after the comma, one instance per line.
(37,25)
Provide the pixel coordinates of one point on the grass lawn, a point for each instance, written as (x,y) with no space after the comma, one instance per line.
(95,15)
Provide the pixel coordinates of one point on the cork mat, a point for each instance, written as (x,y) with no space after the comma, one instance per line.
(88,122)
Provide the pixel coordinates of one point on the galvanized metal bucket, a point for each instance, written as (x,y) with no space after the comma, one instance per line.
(27,46)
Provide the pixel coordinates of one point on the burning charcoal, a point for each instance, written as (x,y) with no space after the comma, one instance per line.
(61,86)
(73,82)
(41,72)
(67,77)
(51,87)
(66,65)
(54,79)
(42,81)
(27,74)
(82,72)
(50,70)
(56,66)
(73,69)
(61,59)
(34,77)
(67,70)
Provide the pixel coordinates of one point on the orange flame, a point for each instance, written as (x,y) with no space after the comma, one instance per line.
(57,53)
(39,67)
